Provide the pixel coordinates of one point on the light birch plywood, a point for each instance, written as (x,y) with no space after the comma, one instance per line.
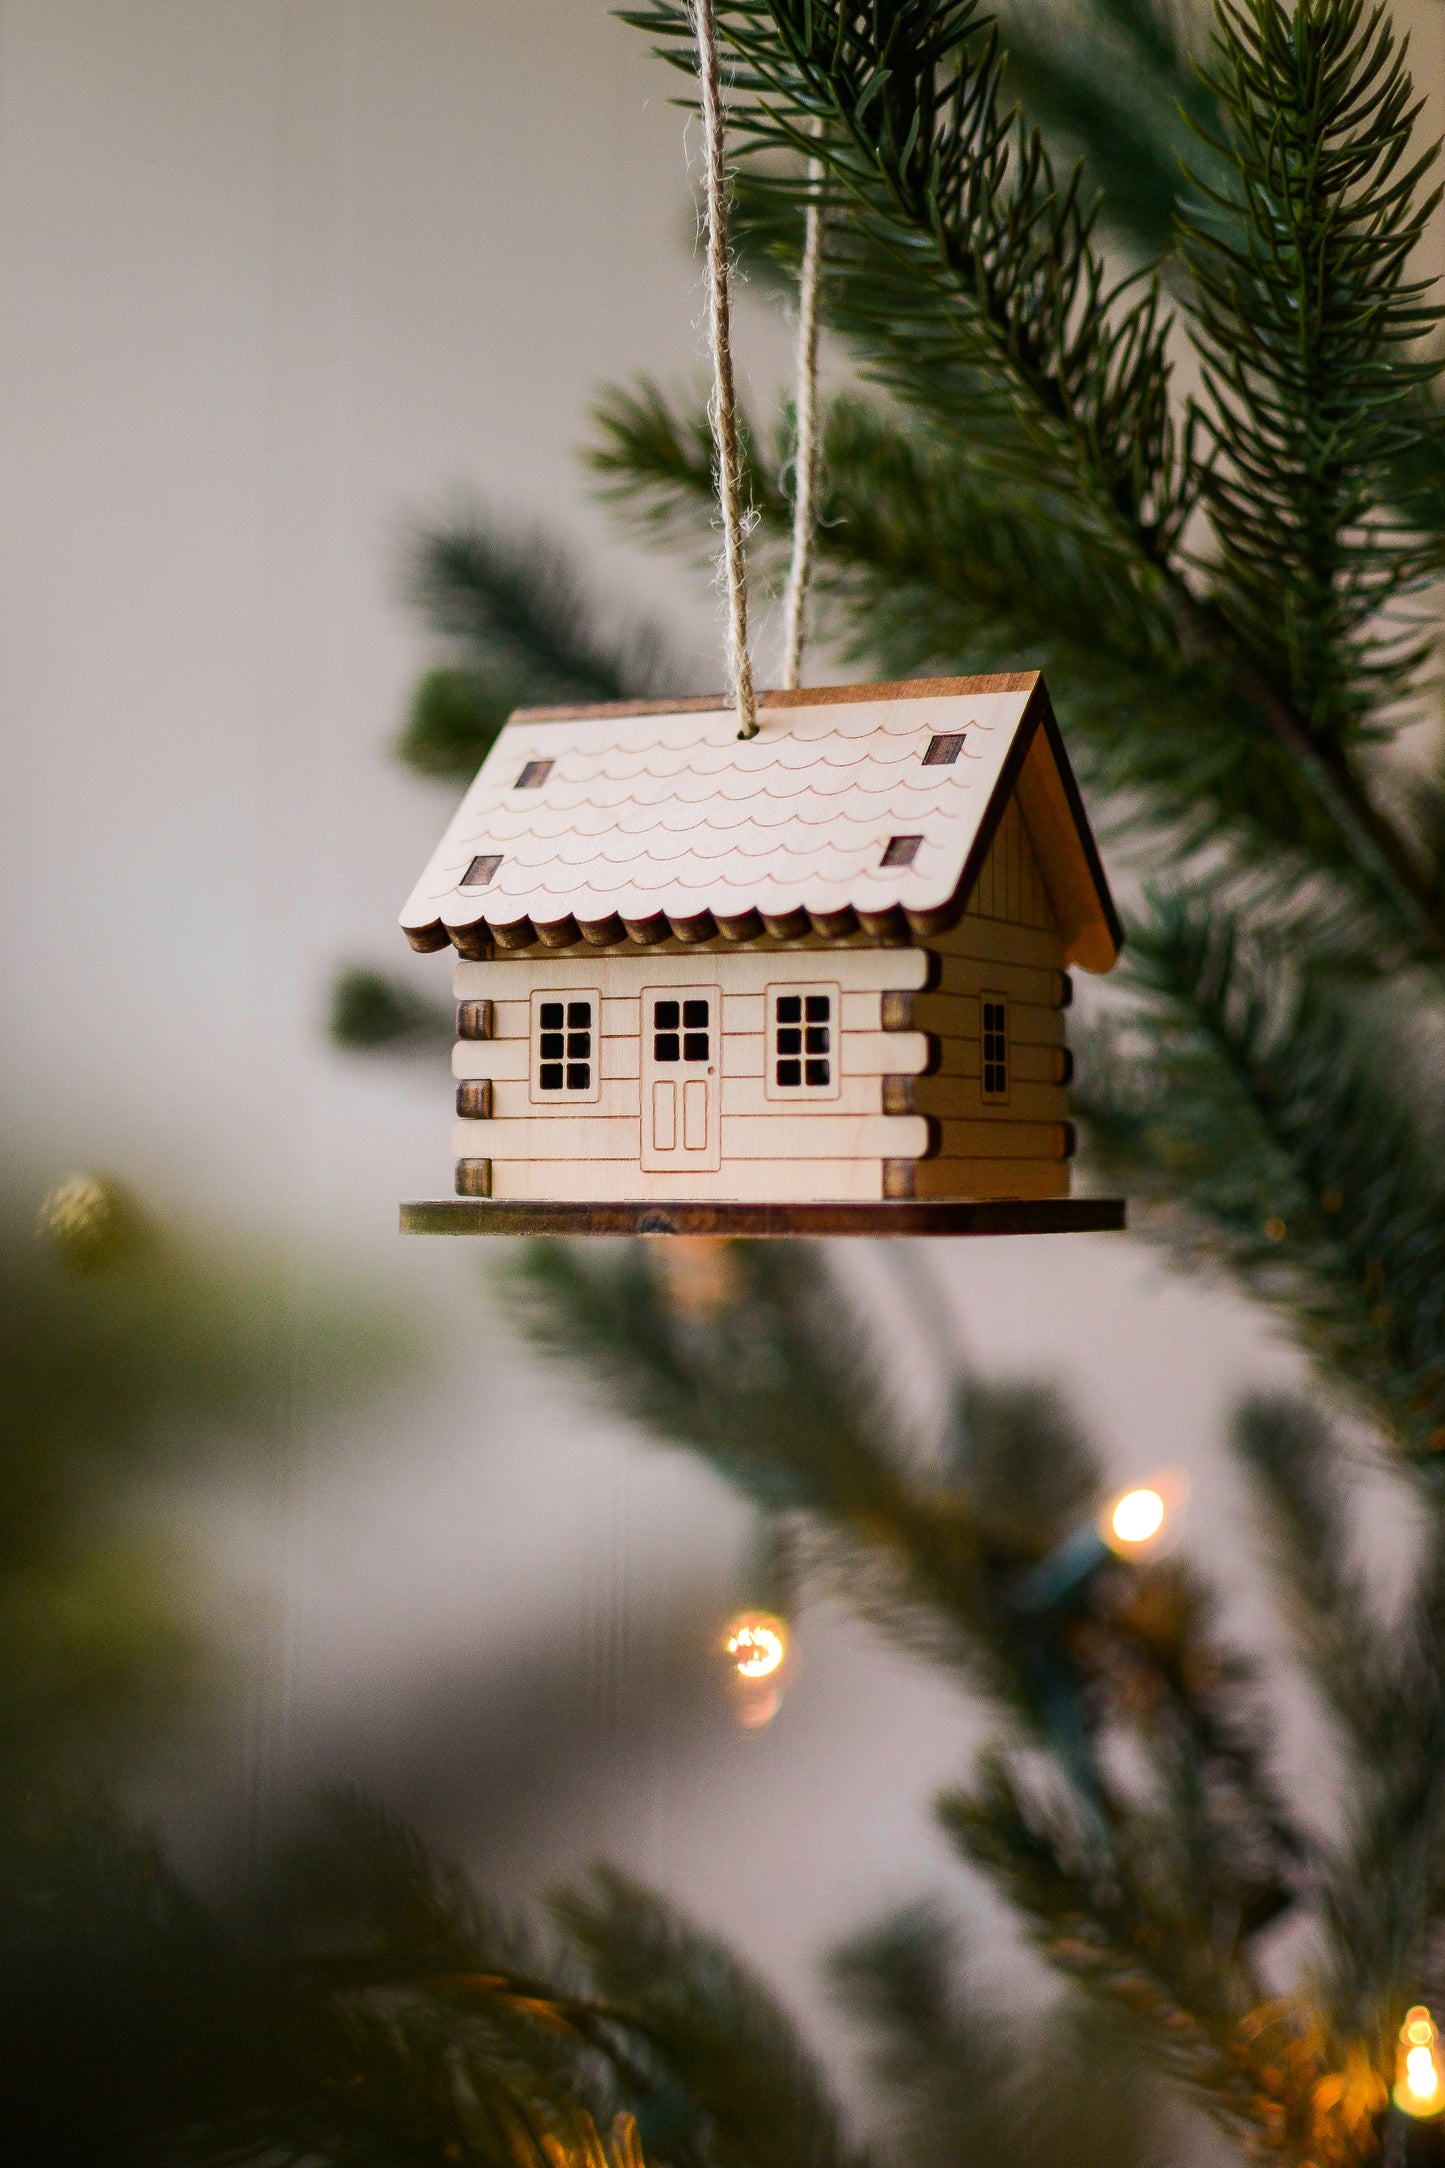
(744,1136)
(1028,1064)
(618,1098)
(960,1098)
(969,976)
(1028,1025)
(575,1137)
(989,940)
(937,1178)
(952,1016)
(1003,1140)
(1068,861)
(854,1095)
(859,1054)
(755,1181)
(815,1135)
(745,971)
(1010,885)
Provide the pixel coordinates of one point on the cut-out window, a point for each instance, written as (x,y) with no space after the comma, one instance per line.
(943,749)
(682,1030)
(995,1046)
(534,775)
(802,1053)
(902,850)
(480,872)
(564,1049)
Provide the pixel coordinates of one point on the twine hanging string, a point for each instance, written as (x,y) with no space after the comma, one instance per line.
(722,408)
(805,411)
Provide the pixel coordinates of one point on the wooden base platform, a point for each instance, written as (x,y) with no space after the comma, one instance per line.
(1005,1216)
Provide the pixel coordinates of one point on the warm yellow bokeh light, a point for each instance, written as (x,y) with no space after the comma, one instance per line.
(1420,2074)
(756,1648)
(1419,2070)
(1137,1516)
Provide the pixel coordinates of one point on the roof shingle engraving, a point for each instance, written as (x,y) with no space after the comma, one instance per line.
(664,815)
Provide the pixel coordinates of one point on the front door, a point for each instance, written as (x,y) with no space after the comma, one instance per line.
(681,1074)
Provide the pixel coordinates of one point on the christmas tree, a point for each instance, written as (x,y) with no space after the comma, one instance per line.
(1228,588)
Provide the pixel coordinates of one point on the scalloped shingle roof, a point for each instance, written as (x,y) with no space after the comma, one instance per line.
(660,817)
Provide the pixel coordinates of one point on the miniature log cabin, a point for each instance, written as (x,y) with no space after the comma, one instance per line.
(824,967)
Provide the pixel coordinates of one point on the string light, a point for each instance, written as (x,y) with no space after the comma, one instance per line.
(1419,2066)
(1144,1521)
(755,1644)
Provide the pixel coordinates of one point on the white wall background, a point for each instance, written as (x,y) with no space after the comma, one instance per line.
(275,277)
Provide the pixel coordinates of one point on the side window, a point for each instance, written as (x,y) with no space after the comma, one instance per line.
(993,1012)
(565,1062)
(802,1042)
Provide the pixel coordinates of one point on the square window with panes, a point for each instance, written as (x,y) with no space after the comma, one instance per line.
(565,1050)
(802,1042)
(993,1010)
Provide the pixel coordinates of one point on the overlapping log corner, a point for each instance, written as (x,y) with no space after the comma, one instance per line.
(811,982)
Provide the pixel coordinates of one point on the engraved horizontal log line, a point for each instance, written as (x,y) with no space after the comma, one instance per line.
(1002,1140)
(861,970)
(1028,1025)
(947,1016)
(998,940)
(761,1181)
(622,1013)
(620,1098)
(964,976)
(941,1178)
(781,1135)
(961,1098)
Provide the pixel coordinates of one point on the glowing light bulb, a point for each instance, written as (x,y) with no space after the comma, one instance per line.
(756,1647)
(1138,1516)
(1144,1520)
(1419,2065)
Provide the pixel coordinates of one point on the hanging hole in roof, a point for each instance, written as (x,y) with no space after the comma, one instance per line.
(901,851)
(943,749)
(534,775)
(480,872)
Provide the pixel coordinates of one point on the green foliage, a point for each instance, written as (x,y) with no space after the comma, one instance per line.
(1227,592)
(732,2077)
(128,1354)
(514,608)
(369,1010)
(1282,1125)
(1306,317)
(999,303)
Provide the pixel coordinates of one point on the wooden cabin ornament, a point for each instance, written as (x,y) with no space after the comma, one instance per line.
(813,981)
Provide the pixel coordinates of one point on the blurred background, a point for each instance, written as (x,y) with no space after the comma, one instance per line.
(280,279)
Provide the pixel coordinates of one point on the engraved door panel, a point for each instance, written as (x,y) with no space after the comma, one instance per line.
(681,1079)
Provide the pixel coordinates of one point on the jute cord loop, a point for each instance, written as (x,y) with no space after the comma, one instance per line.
(722,407)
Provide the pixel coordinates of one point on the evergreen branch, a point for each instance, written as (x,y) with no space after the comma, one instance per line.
(518,609)
(755,2097)
(1086,1919)
(1134,1938)
(1272,1117)
(1294,1459)
(370,1010)
(928,564)
(1305,318)
(1114,79)
(998,275)
(1048,356)
(775,1389)
(969,2083)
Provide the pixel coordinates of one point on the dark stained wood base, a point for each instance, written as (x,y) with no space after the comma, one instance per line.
(1004,1216)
